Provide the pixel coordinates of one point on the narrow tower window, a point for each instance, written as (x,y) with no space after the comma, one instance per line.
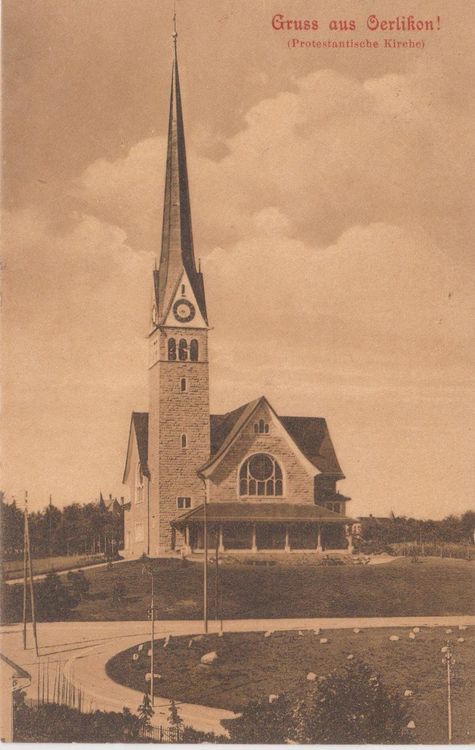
(182,290)
(184,441)
(171,349)
(183,385)
(183,350)
(194,350)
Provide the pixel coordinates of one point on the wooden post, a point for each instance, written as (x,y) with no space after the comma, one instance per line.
(287,543)
(319,538)
(205,560)
(254,543)
(30,570)
(25,576)
(152,664)
(221,542)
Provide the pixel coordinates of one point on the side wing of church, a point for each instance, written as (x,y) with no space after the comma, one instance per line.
(258,480)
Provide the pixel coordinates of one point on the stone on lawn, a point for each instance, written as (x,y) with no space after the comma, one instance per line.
(356,630)
(209,658)
(411,725)
(166,641)
(444,649)
(140,648)
(273,697)
(268,633)
(393,637)
(323,640)
(462,627)
(311,677)
(135,657)
(149,652)
(412,636)
(317,631)
(460,640)
(448,631)
(220,634)
(350,656)
(198,638)
(416,630)
(148,676)
(301,632)
(408,693)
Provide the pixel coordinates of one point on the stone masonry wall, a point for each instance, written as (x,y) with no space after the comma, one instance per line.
(298,484)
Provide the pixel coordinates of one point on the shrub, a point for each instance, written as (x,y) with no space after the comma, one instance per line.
(78,583)
(350,706)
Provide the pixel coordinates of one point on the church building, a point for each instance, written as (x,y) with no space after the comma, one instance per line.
(258,480)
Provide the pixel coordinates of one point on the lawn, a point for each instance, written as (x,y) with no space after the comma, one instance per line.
(433,587)
(14,568)
(252,666)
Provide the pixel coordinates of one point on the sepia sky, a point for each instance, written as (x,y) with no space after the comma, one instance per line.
(332,211)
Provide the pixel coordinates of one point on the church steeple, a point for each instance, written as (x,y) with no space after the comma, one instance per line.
(177,255)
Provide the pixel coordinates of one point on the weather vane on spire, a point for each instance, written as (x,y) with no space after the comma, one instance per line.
(175,33)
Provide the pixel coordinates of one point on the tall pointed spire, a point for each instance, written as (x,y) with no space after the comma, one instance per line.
(177,252)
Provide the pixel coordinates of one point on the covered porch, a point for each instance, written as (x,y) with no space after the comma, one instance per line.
(265,527)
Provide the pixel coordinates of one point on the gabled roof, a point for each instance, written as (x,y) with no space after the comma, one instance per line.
(240,421)
(309,433)
(15,668)
(139,428)
(263,512)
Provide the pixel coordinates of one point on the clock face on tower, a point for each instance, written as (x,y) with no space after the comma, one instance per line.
(183,310)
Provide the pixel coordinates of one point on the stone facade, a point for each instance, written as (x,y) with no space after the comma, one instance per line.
(298,481)
(175,413)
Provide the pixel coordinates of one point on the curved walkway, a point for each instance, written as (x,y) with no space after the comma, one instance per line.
(82,649)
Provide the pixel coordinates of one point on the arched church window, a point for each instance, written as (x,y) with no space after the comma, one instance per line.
(261,427)
(194,350)
(260,475)
(171,349)
(183,350)
(138,483)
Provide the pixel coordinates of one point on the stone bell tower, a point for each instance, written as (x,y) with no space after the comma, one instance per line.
(178,430)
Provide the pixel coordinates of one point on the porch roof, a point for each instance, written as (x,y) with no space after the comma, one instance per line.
(263,512)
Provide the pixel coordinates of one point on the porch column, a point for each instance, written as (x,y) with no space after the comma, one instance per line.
(349,536)
(287,543)
(187,538)
(220,539)
(319,539)
(254,542)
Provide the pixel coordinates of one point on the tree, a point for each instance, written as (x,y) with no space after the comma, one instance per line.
(54,601)
(175,722)
(119,592)
(78,583)
(145,712)
(351,706)
(263,722)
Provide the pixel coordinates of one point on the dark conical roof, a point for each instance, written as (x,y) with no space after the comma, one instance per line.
(177,236)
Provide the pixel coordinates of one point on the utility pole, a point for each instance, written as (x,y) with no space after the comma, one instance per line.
(28,573)
(205,567)
(449,661)
(152,636)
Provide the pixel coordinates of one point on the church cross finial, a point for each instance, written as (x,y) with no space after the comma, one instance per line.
(175,33)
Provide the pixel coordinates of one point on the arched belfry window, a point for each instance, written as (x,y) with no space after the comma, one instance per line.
(171,349)
(138,483)
(261,427)
(260,475)
(183,350)
(194,350)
